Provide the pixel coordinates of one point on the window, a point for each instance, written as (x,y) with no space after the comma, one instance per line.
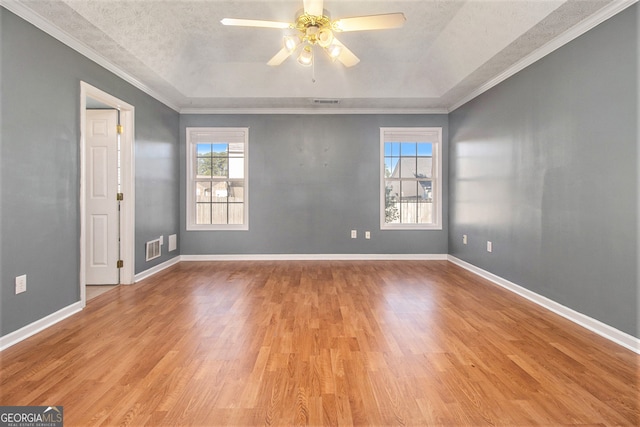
(410,181)
(217,179)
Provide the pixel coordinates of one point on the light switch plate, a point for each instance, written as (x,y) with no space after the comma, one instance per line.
(173,242)
(21,284)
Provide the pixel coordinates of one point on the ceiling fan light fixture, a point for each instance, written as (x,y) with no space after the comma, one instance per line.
(311,33)
(306,56)
(325,37)
(314,26)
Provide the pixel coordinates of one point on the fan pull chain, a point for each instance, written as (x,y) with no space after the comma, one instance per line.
(313,70)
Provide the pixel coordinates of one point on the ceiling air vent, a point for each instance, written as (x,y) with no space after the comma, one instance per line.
(326,101)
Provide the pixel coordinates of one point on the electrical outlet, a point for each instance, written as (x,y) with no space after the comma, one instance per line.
(21,284)
(367,235)
(489,246)
(464,239)
(354,234)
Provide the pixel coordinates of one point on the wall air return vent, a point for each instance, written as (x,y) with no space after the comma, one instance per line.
(326,101)
(153,249)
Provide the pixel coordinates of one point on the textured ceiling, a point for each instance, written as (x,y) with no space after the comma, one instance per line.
(179,51)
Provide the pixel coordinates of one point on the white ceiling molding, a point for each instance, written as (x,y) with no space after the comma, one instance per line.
(575,32)
(44,25)
(314,111)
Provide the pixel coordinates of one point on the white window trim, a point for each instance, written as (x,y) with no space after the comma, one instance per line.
(190,199)
(436,179)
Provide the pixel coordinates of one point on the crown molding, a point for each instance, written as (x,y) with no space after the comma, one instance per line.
(39,22)
(579,29)
(303,110)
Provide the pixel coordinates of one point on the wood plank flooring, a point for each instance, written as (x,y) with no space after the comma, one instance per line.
(321,343)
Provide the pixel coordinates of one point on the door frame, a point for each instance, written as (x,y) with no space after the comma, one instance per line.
(127,206)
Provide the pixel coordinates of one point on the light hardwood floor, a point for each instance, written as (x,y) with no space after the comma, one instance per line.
(321,343)
(95,290)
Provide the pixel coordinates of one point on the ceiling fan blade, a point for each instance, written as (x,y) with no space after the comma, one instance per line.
(313,7)
(372,22)
(279,57)
(347,57)
(254,23)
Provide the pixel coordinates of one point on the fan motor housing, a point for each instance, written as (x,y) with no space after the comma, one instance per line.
(313,27)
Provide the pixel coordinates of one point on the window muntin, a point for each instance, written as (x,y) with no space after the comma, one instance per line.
(217,179)
(410,182)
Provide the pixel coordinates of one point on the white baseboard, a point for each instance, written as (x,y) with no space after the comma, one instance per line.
(630,342)
(627,341)
(39,325)
(315,257)
(156,269)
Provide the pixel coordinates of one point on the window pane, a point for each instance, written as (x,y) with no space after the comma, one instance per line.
(408,190)
(220,167)
(236,168)
(390,164)
(408,167)
(425,212)
(203,192)
(391,206)
(392,188)
(220,192)
(219,213)
(408,149)
(203,213)
(425,149)
(204,167)
(203,150)
(408,212)
(219,150)
(392,149)
(236,213)
(426,192)
(236,192)
(425,167)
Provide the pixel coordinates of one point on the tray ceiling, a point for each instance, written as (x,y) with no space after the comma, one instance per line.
(178,51)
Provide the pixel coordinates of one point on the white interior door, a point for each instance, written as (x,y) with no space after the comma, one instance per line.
(101,205)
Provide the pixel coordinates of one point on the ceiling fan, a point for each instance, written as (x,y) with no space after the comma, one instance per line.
(315,27)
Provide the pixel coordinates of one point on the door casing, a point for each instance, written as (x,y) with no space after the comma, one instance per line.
(127,206)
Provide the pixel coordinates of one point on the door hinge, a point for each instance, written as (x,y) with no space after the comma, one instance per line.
(120,264)
(119,129)
(120,196)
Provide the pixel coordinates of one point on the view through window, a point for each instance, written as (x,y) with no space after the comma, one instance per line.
(410,183)
(217,170)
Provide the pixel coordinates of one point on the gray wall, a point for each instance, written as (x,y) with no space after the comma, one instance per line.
(39,187)
(545,165)
(313,178)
